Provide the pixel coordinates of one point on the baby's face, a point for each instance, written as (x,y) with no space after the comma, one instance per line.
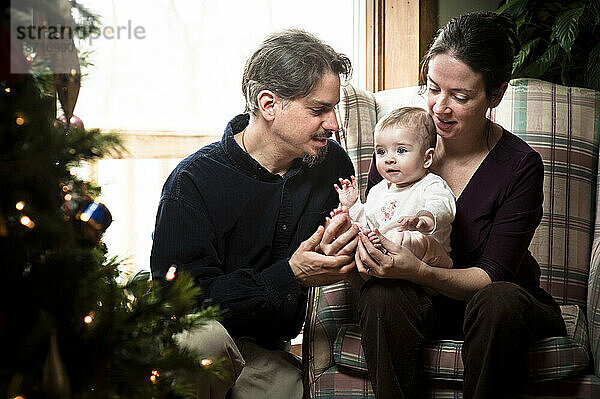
(400,155)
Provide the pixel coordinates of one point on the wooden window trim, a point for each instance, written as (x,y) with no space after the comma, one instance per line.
(398,35)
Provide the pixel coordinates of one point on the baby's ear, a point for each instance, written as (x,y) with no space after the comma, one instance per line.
(428,158)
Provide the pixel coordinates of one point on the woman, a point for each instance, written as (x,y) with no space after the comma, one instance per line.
(491,298)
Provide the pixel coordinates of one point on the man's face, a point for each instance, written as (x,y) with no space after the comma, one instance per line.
(304,124)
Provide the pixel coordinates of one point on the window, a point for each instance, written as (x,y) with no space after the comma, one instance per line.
(172,88)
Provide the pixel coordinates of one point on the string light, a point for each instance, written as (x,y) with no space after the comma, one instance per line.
(20,205)
(89,318)
(87,214)
(73,72)
(154,376)
(26,221)
(19,121)
(7,90)
(171,273)
(206,362)
(68,197)
(29,58)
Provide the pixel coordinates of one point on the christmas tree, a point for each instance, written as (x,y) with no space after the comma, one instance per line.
(68,329)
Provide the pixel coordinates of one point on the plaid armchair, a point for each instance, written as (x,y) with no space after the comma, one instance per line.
(563,125)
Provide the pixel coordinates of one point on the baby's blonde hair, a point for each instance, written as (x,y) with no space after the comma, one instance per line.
(413,118)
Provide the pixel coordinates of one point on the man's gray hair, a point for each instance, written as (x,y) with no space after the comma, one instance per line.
(290,63)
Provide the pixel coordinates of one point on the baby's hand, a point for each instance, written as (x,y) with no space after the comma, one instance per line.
(375,240)
(340,209)
(423,223)
(408,223)
(347,191)
(373,237)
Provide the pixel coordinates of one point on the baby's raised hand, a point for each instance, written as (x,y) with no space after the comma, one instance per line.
(347,191)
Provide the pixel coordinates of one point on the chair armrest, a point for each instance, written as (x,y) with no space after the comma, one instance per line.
(593,302)
(329,307)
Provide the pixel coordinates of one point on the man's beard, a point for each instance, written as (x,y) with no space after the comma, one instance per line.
(312,160)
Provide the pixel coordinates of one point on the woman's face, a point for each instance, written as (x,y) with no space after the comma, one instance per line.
(456,98)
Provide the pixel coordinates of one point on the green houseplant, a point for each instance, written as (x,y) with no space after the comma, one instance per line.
(560,40)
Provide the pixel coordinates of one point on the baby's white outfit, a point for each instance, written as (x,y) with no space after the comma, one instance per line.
(387,202)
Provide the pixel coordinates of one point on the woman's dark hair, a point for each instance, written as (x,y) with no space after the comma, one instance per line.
(485,41)
(290,63)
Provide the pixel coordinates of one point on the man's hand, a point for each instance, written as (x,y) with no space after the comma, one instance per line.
(313,269)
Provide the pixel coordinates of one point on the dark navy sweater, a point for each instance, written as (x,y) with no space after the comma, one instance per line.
(233,225)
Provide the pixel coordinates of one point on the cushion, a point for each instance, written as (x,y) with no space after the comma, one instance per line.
(389,100)
(587,386)
(549,359)
(348,351)
(335,384)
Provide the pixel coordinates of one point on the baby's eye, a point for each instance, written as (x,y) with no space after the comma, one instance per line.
(380,151)
(401,150)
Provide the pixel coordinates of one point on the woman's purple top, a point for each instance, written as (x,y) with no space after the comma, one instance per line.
(497,214)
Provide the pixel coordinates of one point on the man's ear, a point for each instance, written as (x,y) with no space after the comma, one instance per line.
(428,158)
(267,102)
(498,96)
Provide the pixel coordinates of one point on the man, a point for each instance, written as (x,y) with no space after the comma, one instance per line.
(242,216)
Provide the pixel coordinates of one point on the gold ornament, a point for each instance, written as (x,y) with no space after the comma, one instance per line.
(171,273)
(64,60)
(55,381)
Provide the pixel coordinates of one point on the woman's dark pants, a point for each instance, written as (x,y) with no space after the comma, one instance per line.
(497,325)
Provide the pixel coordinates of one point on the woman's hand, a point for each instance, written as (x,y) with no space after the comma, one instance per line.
(398,262)
(394,261)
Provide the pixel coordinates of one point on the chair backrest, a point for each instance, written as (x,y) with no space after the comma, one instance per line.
(358,118)
(563,125)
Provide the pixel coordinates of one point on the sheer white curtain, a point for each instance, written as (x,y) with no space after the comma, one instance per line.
(173,89)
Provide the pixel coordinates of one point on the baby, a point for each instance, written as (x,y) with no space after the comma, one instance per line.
(409,199)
